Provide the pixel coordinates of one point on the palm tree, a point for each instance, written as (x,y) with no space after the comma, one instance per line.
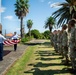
(71,4)
(65,13)
(29,25)
(49,23)
(21,10)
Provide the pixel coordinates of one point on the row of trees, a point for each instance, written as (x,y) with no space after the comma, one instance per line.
(35,34)
(63,14)
(21,10)
(49,23)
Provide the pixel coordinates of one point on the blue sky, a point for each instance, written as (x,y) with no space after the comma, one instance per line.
(39,11)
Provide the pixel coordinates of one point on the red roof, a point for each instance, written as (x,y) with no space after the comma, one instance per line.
(9,34)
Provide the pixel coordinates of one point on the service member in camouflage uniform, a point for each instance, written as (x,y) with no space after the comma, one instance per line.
(55,40)
(65,43)
(58,41)
(51,38)
(69,35)
(72,43)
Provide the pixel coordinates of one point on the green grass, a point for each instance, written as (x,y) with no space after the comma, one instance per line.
(39,60)
(19,66)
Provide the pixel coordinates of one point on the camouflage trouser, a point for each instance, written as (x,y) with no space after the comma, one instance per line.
(55,46)
(61,50)
(65,52)
(52,42)
(72,54)
(58,47)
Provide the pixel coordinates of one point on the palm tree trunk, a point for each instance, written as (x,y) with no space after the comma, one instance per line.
(21,27)
(29,32)
(50,28)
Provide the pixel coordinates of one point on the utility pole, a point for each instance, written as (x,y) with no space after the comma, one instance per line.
(5,32)
(0,17)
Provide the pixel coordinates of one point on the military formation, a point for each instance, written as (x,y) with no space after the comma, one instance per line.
(64,42)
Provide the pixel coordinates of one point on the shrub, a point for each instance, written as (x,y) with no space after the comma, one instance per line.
(47,34)
(26,39)
(35,33)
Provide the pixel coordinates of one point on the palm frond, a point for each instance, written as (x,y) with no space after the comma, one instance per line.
(50,22)
(29,23)
(21,8)
(64,14)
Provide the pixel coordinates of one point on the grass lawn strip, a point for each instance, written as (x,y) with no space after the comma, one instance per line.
(45,62)
(19,66)
(42,60)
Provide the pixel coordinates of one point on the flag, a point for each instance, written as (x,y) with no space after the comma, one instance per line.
(10,42)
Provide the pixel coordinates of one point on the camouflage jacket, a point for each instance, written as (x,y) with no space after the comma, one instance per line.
(64,38)
(55,38)
(73,37)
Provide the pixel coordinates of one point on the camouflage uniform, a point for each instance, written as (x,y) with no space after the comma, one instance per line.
(69,35)
(65,45)
(72,44)
(58,42)
(55,41)
(51,38)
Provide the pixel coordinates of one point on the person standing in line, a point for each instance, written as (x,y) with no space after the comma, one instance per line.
(58,41)
(69,35)
(51,38)
(65,44)
(72,44)
(15,38)
(55,40)
(2,38)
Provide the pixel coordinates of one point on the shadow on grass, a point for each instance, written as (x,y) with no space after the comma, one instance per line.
(48,44)
(6,52)
(44,56)
(39,43)
(32,44)
(48,59)
(43,65)
(46,53)
(37,71)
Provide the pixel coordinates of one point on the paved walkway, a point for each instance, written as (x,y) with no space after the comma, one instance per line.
(11,56)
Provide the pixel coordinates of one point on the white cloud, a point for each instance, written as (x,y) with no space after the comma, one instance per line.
(49,2)
(8,17)
(2,9)
(55,5)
